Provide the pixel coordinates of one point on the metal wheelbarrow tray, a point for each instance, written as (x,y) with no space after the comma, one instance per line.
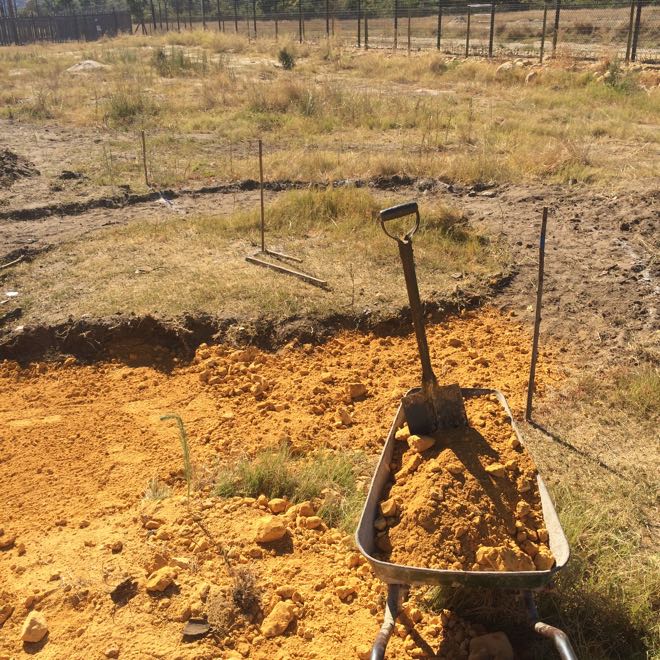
(398,574)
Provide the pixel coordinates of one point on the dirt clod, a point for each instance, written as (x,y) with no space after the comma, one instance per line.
(14,167)
(278,620)
(269,529)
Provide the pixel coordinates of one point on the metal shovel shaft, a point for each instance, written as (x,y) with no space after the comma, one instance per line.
(408,261)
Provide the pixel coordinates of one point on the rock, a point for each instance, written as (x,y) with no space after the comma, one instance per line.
(34,627)
(363,652)
(514,443)
(277,505)
(496,470)
(493,646)
(181,613)
(410,464)
(503,558)
(161,579)
(86,66)
(112,652)
(455,468)
(356,390)
(269,529)
(543,560)
(6,611)
(313,522)
(345,591)
(327,377)
(522,509)
(344,417)
(278,620)
(389,508)
(420,443)
(7,541)
(506,66)
(455,342)
(403,433)
(116,546)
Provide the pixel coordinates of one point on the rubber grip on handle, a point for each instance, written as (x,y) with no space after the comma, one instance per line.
(398,211)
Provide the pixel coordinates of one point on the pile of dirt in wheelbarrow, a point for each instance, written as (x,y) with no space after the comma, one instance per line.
(14,167)
(464,499)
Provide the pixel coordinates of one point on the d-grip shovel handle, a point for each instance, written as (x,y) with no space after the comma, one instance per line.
(408,261)
(400,211)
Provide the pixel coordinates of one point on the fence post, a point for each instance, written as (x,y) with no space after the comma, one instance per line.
(153,13)
(545,22)
(638,19)
(439,24)
(190,14)
(254,17)
(467,34)
(217,2)
(409,32)
(366,30)
(167,20)
(555,33)
(236,16)
(300,21)
(327,19)
(359,25)
(276,20)
(396,24)
(492,29)
(203,15)
(631,21)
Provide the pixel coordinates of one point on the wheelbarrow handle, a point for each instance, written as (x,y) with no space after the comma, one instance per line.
(400,211)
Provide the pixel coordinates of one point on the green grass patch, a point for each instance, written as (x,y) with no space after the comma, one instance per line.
(277,473)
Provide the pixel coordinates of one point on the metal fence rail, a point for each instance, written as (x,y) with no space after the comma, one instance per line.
(85,27)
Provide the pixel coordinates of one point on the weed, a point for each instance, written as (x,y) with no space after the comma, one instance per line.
(185,447)
(156,490)
(128,105)
(245,592)
(286,59)
(277,473)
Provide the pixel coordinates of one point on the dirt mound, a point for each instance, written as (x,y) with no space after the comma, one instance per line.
(469,501)
(83,443)
(14,167)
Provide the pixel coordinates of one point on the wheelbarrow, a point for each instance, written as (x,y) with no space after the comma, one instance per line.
(399,578)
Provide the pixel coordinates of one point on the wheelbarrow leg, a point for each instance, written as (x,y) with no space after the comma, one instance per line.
(395,594)
(559,637)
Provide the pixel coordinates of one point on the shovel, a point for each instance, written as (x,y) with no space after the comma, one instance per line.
(434,407)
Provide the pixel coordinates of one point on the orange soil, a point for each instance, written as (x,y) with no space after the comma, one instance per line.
(447,511)
(80,443)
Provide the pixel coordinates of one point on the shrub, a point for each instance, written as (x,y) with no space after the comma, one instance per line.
(286,59)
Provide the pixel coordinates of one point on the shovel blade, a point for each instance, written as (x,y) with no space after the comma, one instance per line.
(434,408)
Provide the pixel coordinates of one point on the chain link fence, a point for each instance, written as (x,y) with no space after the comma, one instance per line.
(629,29)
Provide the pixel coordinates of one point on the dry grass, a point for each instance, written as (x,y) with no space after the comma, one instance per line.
(334,115)
(178,264)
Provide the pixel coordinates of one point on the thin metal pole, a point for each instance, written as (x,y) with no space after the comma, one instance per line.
(327,19)
(236,16)
(467,34)
(638,19)
(300,21)
(537,318)
(261,192)
(254,17)
(630,29)
(439,24)
(203,15)
(144,160)
(555,34)
(359,25)
(366,30)
(276,25)
(492,29)
(545,22)
(219,16)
